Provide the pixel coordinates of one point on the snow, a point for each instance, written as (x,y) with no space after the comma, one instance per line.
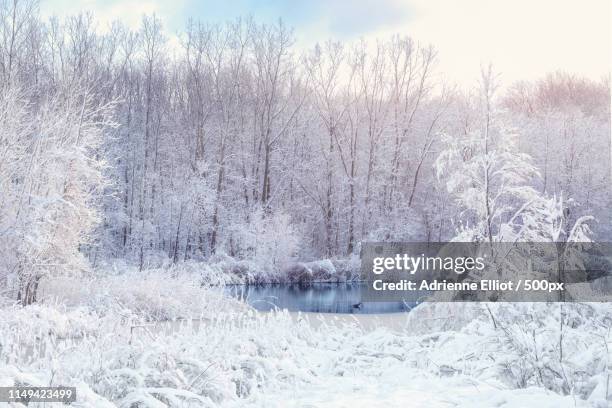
(416,390)
(439,355)
(138,178)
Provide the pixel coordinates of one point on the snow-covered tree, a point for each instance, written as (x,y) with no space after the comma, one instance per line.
(483,169)
(51,180)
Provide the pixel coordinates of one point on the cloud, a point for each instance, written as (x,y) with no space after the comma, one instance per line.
(524,39)
(129,12)
(360,17)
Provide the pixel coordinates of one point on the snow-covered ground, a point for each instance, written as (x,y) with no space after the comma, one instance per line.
(119,350)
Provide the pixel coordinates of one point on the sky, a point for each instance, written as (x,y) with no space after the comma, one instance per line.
(523,39)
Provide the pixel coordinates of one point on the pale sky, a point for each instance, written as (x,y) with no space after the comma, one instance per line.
(524,39)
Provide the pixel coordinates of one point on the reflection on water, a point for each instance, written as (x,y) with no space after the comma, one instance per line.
(315,297)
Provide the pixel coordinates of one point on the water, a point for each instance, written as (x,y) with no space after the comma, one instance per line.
(315,297)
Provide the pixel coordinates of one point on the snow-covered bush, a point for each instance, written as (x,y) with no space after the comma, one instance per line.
(119,358)
(178,291)
(326,270)
(560,347)
(268,241)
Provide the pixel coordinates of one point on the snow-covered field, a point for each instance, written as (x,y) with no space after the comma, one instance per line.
(118,343)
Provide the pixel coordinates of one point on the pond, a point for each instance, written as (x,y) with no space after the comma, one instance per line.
(313,297)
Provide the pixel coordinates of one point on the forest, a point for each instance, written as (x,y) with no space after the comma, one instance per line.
(229,140)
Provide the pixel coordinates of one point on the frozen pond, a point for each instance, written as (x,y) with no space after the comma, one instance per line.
(314,297)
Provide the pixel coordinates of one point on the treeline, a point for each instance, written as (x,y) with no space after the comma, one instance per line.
(232,140)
